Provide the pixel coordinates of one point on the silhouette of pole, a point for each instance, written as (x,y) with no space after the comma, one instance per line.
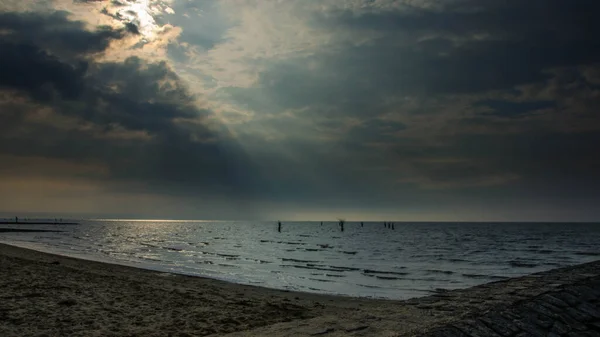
(279,226)
(392,226)
(362,224)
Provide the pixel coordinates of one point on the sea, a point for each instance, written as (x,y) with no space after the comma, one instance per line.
(364,260)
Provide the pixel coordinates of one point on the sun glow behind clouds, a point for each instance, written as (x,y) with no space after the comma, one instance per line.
(141,13)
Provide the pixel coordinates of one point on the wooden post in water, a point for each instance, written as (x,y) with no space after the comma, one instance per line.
(279,226)
(362,224)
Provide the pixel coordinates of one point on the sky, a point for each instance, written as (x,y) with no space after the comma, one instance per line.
(406,110)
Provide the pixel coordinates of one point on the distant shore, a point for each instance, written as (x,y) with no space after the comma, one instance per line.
(23,230)
(37,223)
(45,294)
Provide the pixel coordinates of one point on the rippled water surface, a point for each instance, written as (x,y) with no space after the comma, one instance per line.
(414,259)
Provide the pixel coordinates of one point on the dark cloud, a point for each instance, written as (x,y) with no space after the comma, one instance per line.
(509,109)
(467,47)
(26,67)
(502,19)
(466,51)
(56,31)
(109,108)
(474,46)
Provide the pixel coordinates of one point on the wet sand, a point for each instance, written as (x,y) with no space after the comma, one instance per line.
(48,295)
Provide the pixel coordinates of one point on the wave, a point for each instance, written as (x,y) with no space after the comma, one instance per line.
(205,262)
(498,277)
(174,249)
(520,264)
(227,265)
(311,268)
(369,286)
(588,253)
(297,260)
(475,276)
(385,272)
(292,243)
(227,255)
(435,271)
(320,280)
(344,268)
(384,277)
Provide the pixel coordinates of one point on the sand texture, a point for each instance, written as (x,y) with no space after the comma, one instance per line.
(48,295)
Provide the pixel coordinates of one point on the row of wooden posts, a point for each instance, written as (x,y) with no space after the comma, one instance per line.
(341,223)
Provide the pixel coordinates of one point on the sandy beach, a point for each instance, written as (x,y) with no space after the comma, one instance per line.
(48,295)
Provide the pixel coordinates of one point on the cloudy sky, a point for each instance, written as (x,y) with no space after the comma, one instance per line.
(296,109)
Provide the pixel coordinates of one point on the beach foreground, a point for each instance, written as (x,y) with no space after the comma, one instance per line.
(48,295)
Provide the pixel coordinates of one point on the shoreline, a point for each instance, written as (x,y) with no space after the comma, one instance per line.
(56,295)
(37,223)
(21,230)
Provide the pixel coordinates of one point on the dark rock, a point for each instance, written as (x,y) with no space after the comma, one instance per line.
(589,310)
(448,331)
(532,317)
(572,323)
(324,332)
(583,334)
(581,293)
(531,328)
(358,328)
(567,298)
(551,307)
(578,315)
(557,302)
(523,334)
(499,324)
(595,292)
(560,328)
(475,329)
(67,302)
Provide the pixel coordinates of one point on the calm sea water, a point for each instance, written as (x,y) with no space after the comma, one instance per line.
(414,259)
